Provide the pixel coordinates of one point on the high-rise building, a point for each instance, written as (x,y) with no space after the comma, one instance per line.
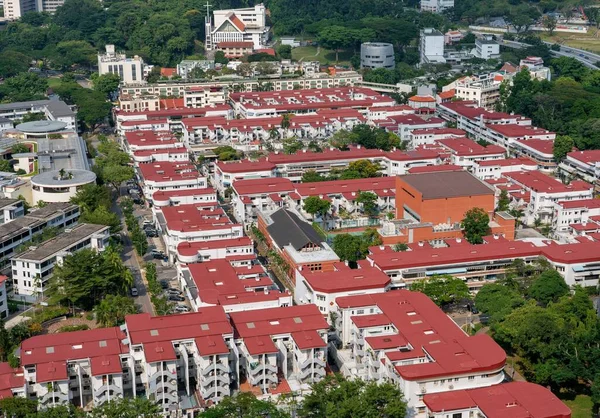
(436,6)
(130,70)
(237,25)
(431,46)
(14,9)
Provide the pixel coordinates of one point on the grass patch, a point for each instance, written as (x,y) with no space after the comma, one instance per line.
(581,406)
(588,41)
(323,55)
(54,82)
(72,328)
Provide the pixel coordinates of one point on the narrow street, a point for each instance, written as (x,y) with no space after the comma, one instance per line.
(130,260)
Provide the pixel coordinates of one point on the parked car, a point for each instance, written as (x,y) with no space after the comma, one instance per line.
(176,298)
(164,284)
(148,226)
(134,291)
(156,254)
(174,291)
(181,308)
(152,233)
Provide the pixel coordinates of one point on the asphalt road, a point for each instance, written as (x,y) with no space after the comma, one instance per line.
(131,262)
(586,58)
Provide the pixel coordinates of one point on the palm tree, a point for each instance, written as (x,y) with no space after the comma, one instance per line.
(537,222)
(517,214)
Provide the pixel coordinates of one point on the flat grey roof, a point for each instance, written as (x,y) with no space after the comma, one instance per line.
(61,242)
(50,210)
(41,126)
(447,184)
(15,227)
(67,152)
(51,178)
(4,202)
(57,108)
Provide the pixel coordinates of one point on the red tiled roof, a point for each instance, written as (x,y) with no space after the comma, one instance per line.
(176,103)
(508,162)
(540,182)
(308,339)
(514,399)
(468,147)
(235,45)
(346,280)
(435,168)
(159,351)
(237,22)
(261,186)
(583,203)
(269,51)
(51,372)
(211,345)
(447,94)
(517,131)
(421,99)
(106,365)
(189,248)
(164,195)
(168,72)
(589,156)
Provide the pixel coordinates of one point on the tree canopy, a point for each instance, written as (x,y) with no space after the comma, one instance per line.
(475,225)
(315,205)
(442,290)
(352,248)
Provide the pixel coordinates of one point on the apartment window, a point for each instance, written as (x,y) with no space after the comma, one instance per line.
(471,377)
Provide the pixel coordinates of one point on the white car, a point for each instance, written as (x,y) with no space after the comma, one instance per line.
(181,308)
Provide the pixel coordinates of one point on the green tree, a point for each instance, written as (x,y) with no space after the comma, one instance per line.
(336,38)
(19,148)
(341,139)
(347,247)
(315,205)
(127,408)
(400,247)
(442,290)
(503,201)
(23,87)
(548,287)
(563,144)
(117,174)
(18,407)
(111,311)
(292,145)
(13,63)
(220,58)
(310,176)
(245,405)
(71,53)
(549,23)
(91,196)
(285,51)
(368,201)
(106,83)
(497,301)
(60,411)
(227,153)
(102,216)
(362,169)
(86,277)
(475,225)
(6,166)
(337,397)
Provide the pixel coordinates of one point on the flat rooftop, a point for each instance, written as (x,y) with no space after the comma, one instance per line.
(63,241)
(447,184)
(4,202)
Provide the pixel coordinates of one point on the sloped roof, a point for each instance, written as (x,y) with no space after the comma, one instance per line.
(288,229)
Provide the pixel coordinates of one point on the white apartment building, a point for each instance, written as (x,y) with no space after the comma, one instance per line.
(167,176)
(487,48)
(322,288)
(495,169)
(238,25)
(22,229)
(186,362)
(130,70)
(402,337)
(545,191)
(14,9)
(204,96)
(3,297)
(575,212)
(32,269)
(484,89)
(185,67)
(584,164)
(10,209)
(431,46)
(436,6)
(193,222)
(53,110)
(238,250)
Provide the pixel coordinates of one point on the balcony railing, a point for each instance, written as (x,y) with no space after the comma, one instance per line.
(316,361)
(269,378)
(256,368)
(317,372)
(220,367)
(220,377)
(57,396)
(104,388)
(168,384)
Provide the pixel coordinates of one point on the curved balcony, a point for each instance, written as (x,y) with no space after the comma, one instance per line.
(256,368)
(103,396)
(316,361)
(214,391)
(317,372)
(169,384)
(207,380)
(54,397)
(269,378)
(220,367)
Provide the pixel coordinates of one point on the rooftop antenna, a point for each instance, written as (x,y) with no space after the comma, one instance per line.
(208,6)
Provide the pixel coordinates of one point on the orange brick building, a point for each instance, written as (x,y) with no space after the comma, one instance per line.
(437,203)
